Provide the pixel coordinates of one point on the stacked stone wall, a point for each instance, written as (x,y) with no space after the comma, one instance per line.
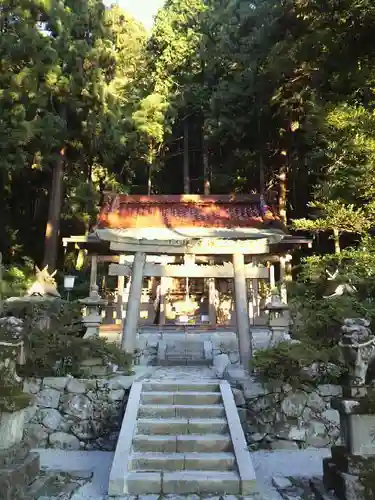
(73,414)
(280,417)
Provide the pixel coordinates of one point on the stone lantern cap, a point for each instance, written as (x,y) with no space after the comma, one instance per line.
(276,304)
(94,299)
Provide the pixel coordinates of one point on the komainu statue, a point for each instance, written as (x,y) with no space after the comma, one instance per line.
(358,348)
(44,285)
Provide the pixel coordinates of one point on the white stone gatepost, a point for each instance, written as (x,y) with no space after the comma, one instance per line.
(272,276)
(93,273)
(134,304)
(242,313)
(285,275)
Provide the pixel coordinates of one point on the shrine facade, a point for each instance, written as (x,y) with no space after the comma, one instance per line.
(188,260)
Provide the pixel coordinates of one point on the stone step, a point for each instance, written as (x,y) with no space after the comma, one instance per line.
(172,360)
(181,398)
(175,426)
(209,443)
(181,439)
(153,462)
(181,386)
(39,488)
(198,411)
(16,478)
(184,482)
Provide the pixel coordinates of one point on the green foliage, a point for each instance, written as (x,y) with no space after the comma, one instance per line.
(318,320)
(345,219)
(286,363)
(67,80)
(12,399)
(16,280)
(52,353)
(66,316)
(53,332)
(355,265)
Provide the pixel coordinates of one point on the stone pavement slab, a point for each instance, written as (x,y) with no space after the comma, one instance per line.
(296,464)
(191,373)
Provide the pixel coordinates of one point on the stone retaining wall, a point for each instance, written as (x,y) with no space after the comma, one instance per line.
(73,414)
(278,417)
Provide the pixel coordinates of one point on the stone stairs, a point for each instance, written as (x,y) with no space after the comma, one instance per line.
(181,438)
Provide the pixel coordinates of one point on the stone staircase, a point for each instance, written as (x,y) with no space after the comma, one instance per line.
(184,352)
(181,438)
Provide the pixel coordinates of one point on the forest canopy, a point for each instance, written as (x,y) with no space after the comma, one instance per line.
(223,96)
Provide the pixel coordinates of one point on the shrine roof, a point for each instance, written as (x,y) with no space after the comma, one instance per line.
(187,211)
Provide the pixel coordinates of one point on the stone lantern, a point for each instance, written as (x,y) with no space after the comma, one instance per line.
(93,319)
(278,318)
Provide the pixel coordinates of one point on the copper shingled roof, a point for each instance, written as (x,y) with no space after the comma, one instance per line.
(222,211)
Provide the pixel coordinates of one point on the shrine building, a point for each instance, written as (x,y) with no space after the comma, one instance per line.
(168,261)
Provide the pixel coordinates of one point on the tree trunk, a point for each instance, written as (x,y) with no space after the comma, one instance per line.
(150,159)
(283,193)
(53,221)
(149,180)
(336,239)
(186,158)
(206,166)
(262,179)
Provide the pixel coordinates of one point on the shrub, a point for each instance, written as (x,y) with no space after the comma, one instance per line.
(290,363)
(59,349)
(54,353)
(16,280)
(318,320)
(62,315)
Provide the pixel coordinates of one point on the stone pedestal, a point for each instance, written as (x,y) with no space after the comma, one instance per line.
(11,428)
(19,468)
(350,472)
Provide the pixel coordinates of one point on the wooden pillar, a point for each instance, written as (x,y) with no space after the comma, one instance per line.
(125,297)
(251,302)
(255,293)
(242,313)
(134,304)
(189,260)
(93,272)
(163,291)
(255,290)
(120,293)
(211,301)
